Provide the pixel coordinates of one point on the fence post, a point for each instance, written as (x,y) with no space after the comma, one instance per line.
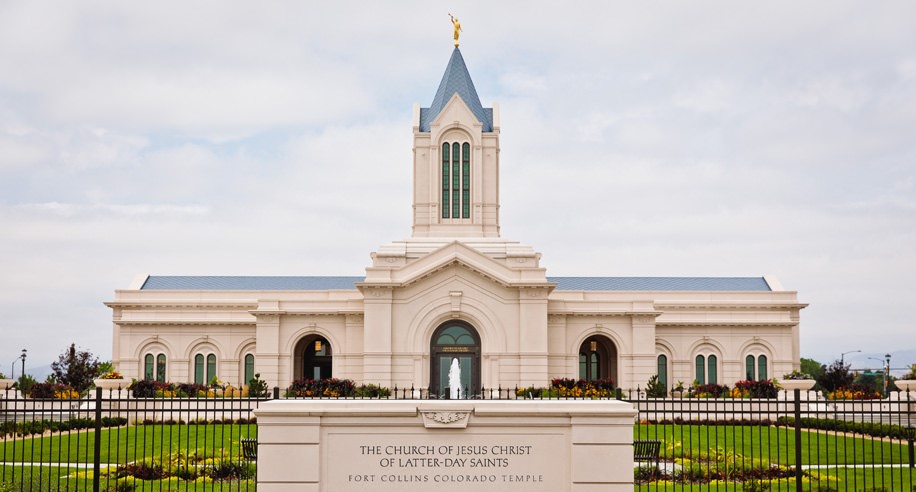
(97,445)
(909,444)
(798,444)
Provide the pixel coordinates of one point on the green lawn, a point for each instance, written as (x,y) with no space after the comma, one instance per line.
(129,443)
(731,449)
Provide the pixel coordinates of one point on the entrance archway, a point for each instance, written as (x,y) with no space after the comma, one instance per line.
(312,358)
(454,340)
(598,359)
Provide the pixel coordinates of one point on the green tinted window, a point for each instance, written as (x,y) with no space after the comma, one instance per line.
(713,370)
(455,335)
(465,181)
(211,367)
(749,368)
(663,370)
(249,368)
(701,369)
(445,181)
(762,367)
(456,181)
(160,368)
(199,369)
(148,367)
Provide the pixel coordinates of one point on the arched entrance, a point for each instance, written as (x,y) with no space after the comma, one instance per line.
(454,340)
(598,359)
(312,358)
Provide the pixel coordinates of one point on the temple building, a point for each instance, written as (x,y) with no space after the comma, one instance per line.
(455,289)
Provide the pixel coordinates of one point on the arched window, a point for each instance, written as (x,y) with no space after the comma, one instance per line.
(456,181)
(713,369)
(249,368)
(148,368)
(760,366)
(454,341)
(211,367)
(701,369)
(160,368)
(663,370)
(199,369)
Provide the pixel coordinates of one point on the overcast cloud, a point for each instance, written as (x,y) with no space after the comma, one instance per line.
(653,139)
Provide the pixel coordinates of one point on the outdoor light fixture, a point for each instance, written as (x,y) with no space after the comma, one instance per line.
(844,355)
(594,346)
(317,345)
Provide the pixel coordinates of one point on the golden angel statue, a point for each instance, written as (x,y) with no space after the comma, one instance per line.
(457,26)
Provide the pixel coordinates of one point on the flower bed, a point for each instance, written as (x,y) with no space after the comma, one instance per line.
(334,388)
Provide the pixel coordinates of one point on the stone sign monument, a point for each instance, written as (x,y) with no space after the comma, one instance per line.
(445,445)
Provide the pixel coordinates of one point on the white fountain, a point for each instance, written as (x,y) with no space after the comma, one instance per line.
(454,379)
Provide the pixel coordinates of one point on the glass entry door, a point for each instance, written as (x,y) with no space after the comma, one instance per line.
(454,340)
(466,366)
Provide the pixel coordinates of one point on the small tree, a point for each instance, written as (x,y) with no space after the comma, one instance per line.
(836,376)
(75,368)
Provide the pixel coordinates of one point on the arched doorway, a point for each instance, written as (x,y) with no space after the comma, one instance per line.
(454,340)
(598,359)
(313,358)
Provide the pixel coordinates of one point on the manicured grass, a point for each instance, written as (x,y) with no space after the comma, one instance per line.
(54,479)
(773,444)
(757,447)
(129,443)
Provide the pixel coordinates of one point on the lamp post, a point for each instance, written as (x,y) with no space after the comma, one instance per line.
(23,361)
(887,371)
(843,355)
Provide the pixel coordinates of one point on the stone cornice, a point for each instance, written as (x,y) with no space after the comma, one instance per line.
(729,323)
(180,304)
(596,312)
(729,305)
(182,322)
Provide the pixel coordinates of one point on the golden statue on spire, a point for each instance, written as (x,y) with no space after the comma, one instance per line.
(457,26)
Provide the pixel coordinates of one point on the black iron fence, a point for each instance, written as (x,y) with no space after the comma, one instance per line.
(115,441)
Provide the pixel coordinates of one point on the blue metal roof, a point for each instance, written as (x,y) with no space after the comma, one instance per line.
(250,283)
(563,283)
(660,283)
(456,79)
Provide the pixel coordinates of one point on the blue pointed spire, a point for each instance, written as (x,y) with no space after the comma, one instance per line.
(456,79)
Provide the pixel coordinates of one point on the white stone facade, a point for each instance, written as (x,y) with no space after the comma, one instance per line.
(522,327)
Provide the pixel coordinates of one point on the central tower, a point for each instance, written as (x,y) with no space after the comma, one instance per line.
(456,160)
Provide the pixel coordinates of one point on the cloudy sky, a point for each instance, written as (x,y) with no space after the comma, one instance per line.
(638,138)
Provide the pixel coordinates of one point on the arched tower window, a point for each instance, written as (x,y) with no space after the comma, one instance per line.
(456,180)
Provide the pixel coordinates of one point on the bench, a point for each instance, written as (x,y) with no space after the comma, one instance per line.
(646,451)
(250,449)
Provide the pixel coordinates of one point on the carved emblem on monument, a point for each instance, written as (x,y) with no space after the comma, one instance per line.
(445,418)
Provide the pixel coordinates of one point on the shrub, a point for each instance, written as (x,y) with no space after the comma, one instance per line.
(708,391)
(145,388)
(257,387)
(655,389)
(836,376)
(322,388)
(755,389)
(52,390)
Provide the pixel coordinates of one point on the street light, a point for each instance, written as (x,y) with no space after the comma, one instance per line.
(887,371)
(23,360)
(843,355)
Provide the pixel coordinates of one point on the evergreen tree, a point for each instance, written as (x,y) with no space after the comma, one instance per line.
(836,376)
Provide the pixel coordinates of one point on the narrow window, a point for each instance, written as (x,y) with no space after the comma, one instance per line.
(160,368)
(445,181)
(465,181)
(148,367)
(211,367)
(593,367)
(713,376)
(701,369)
(583,366)
(762,367)
(249,368)
(199,369)
(456,181)
(663,370)
(749,367)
